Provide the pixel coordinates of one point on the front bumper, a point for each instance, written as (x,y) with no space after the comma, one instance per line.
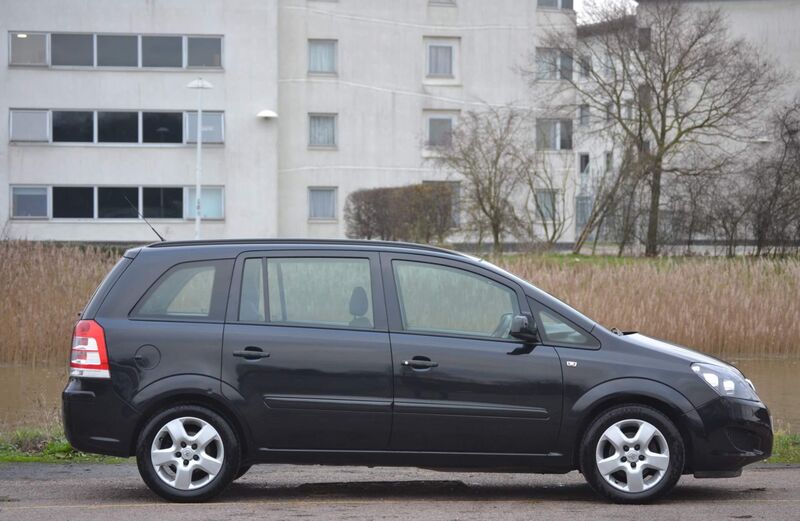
(96,419)
(726,434)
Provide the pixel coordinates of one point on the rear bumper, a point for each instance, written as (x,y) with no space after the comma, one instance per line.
(96,419)
(726,434)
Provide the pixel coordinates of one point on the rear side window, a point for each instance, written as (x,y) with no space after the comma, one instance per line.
(188,291)
(317,292)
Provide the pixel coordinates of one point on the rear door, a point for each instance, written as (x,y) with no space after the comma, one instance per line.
(306,347)
(461,382)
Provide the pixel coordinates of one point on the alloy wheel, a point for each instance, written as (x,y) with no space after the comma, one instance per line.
(632,455)
(187,453)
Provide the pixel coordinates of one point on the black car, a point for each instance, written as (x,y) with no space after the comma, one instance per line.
(204,358)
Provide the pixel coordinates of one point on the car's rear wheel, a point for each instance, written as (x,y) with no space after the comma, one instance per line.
(632,454)
(187,453)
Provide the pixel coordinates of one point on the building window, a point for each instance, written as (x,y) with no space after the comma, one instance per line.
(322,56)
(441,58)
(117,127)
(556,4)
(162,127)
(28,49)
(118,203)
(29,125)
(204,51)
(645,35)
(554,134)
(583,209)
(552,64)
(585,66)
(212,128)
(440,131)
(117,51)
(609,161)
(73,126)
(162,203)
(584,164)
(162,51)
(583,118)
(114,50)
(72,50)
(73,202)
(322,130)
(546,204)
(28,202)
(609,111)
(211,203)
(322,204)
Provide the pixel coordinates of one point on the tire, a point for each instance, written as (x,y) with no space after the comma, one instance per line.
(610,443)
(194,472)
(242,471)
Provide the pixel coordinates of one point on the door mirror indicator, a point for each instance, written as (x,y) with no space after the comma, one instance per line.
(524,328)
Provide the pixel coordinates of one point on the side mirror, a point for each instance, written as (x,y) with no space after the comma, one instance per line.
(524,328)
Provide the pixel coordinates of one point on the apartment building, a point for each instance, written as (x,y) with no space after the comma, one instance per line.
(311,100)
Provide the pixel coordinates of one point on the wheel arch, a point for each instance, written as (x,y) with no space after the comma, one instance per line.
(633,391)
(188,390)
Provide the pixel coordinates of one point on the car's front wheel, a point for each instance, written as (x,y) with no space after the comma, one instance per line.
(187,453)
(632,454)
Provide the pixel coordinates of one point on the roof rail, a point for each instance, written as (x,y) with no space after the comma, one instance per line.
(332,242)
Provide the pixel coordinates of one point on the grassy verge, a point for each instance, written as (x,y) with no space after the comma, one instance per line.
(32,446)
(29,446)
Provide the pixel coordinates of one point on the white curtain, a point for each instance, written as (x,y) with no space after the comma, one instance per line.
(322,203)
(440,60)
(322,56)
(322,131)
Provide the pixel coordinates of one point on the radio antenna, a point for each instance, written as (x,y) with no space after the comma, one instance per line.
(142,217)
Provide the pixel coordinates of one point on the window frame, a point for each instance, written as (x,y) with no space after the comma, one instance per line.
(454,42)
(335,117)
(335,190)
(48,122)
(335,71)
(217,309)
(184,52)
(559,123)
(47,205)
(377,290)
(393,295)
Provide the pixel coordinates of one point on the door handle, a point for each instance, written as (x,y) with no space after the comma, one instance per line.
(251,353)
(419,362)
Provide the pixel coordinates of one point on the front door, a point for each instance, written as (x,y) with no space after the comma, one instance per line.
(461,382)
(306,348)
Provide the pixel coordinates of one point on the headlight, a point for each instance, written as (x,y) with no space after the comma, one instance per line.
(726,381)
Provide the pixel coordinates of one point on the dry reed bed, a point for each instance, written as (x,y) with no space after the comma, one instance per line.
(43,287)
(735,309)
(738,308)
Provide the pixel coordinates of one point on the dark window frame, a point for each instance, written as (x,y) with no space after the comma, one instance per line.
(219,294)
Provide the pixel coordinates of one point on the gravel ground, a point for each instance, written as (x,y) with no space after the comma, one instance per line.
(88,492)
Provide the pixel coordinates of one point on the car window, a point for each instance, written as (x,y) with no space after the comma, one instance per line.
(440,299)
(251,304)
(184,291)
(320,291)
(557,330)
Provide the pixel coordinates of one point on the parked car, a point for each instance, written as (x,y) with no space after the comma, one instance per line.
(204,358)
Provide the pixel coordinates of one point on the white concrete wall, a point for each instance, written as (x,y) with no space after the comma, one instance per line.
(381,94)
(246,164)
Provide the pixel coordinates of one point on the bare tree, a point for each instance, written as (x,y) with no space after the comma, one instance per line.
(670,78)
(490,151)
(543,202)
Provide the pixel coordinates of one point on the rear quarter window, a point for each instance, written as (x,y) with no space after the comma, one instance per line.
(191,291)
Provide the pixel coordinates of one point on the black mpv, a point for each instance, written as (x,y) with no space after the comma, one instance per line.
(204,358)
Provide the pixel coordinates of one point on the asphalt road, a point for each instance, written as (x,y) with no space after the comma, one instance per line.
(282,492)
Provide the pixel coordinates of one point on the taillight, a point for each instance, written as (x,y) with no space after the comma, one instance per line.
(89,358)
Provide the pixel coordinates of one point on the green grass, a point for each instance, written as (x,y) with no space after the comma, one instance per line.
(34,446)
(786,449)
